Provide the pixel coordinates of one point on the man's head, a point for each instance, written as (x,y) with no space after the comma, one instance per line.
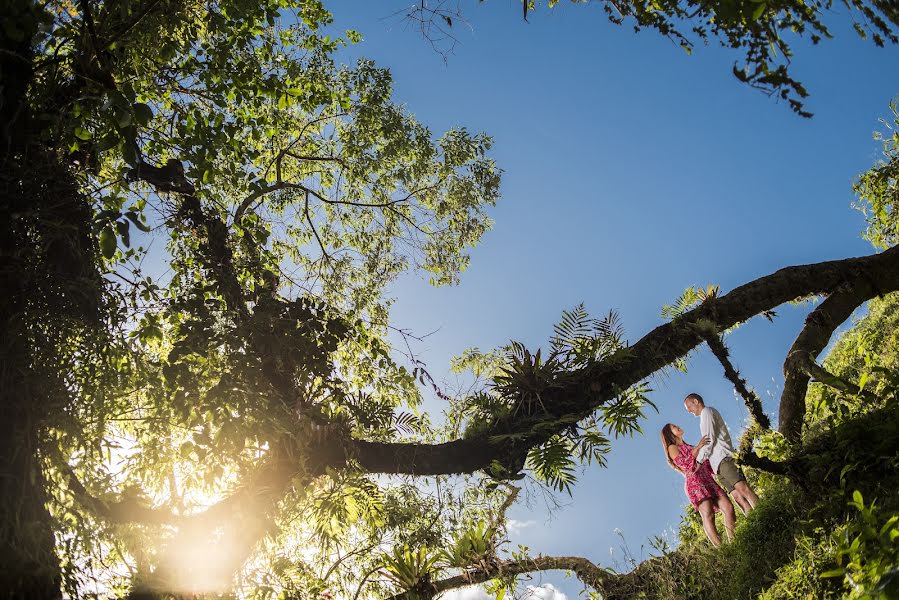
(694,404)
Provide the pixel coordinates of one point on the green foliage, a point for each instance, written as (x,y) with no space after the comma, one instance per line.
(878,188)
(472,547)
(868,552)
(690,299)
(580,339)
(523,382)
(867,355)
(410,568)
(553,464)
(311,191)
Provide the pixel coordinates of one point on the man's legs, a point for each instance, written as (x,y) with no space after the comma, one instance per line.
(750,500)
(741,501)
(707,512)
(731,478)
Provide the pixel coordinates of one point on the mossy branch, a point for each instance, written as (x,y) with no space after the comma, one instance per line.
(753,402)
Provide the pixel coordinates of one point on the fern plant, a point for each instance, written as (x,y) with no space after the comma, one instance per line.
(552,463)
(690,299)
(579,339)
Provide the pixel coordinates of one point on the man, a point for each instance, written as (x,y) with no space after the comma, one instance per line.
(719,452)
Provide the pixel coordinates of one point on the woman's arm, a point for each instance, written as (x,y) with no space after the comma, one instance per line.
(703,441)
(672,452)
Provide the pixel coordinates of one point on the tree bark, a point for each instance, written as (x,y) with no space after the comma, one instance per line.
(814,337)
(753,402)
(590,574)
(29,567)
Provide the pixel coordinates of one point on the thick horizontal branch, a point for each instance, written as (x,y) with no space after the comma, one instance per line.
(584,392)
(123,511)
(590,574)
(458,456)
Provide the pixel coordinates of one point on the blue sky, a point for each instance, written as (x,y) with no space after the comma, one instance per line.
(631,171)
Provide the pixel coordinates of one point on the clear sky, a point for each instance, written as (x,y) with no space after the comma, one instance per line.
(631,171)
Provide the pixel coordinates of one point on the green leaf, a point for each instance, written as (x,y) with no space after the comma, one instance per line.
(758,11)
(833,573)
(185,450)
(129,154)
(143,113)
(82,134)
(107,142)
(122,227)
(108,242)
(132,216)
(123,118)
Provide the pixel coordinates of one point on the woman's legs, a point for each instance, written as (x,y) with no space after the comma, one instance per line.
(707,512)
(730,517)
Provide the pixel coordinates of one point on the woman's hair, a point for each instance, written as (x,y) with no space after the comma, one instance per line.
(668,439)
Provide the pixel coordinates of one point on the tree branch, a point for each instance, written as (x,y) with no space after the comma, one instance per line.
(124,511)
(824,376)
(581,393)
(284,185)
(218,258)
(814,337)
(753,402)
(590,574)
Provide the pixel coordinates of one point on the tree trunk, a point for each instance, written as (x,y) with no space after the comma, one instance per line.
(29,567)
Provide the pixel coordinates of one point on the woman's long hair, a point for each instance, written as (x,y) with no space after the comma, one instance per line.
(669,439)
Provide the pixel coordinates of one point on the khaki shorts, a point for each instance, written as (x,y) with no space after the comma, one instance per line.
(729,474)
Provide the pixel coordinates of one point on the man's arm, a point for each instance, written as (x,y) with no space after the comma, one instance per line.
(707,428)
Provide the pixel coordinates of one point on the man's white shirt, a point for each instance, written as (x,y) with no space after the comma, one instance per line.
(719,446)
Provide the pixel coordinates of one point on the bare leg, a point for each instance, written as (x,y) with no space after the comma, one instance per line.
(707,512)
(741,500)
(730,517)
(747,494)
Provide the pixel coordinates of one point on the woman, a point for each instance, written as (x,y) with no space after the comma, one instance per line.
(705,495)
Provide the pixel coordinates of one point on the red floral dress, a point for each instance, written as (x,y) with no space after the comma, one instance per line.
(699,483)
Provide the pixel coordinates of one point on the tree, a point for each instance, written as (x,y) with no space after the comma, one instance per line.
(178,431)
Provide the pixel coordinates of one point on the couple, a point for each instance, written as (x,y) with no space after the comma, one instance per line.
(712,454)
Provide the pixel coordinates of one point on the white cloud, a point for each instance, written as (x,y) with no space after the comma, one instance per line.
(514,526)
(469,593)
(547,591)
